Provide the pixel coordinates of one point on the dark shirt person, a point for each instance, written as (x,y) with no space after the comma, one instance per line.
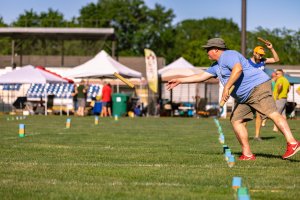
(81,91)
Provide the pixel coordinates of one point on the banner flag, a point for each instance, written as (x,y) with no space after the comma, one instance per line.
(151,69)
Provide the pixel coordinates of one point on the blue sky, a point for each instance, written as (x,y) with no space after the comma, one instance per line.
(266,13)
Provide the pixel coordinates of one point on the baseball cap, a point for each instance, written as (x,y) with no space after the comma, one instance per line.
(215,42)
(259,50)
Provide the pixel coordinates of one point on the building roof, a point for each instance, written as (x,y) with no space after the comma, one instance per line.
(58,33)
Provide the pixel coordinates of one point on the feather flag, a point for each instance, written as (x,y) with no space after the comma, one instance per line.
(151,69)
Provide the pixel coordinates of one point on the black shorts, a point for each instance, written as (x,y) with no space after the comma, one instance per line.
(106,104)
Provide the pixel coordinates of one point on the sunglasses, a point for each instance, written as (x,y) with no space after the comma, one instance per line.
(261,55)
(207,50)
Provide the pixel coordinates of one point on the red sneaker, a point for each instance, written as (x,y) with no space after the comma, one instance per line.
(291,150)
(243,157)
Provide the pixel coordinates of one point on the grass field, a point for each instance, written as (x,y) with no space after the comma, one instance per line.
(139,158)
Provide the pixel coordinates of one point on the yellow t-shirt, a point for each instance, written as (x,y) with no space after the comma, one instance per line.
(285,88)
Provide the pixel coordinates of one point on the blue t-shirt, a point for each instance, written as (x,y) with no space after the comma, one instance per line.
(261,65)
(250,77)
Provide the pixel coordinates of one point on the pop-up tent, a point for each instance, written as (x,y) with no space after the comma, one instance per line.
(177,69)
(55,74)
(101,66)
(28,74)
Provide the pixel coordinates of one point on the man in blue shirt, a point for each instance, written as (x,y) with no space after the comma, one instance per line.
(252,92)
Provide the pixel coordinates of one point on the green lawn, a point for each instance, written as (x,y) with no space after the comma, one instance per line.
(139,158)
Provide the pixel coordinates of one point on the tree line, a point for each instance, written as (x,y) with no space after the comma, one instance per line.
(138,26)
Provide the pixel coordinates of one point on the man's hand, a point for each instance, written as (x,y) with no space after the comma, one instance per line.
(269,44)
(225,94)
(173,83)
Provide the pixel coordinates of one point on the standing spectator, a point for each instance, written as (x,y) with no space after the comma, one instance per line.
(75,100)
(110,102)
(106,100)
(273,79)
(258,61)
(81,91)
(298,90)
(280,93)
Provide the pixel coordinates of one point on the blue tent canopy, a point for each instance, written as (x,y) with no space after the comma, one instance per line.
(291,79)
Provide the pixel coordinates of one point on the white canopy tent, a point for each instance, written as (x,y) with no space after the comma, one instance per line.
(27,75)
(178,68)
(101,66)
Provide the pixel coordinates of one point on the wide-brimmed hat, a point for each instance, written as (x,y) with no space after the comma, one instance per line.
(215,42)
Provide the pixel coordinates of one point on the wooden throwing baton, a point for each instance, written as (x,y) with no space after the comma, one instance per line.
(263,40)
(230,91)
(124,80)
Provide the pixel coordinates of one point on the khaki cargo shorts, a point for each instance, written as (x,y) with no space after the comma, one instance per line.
(259,100)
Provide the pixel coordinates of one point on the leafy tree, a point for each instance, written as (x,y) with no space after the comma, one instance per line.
(286,43)
(192,34)
(52,19)
(2,24)
(28,19)
(137,27)
(158,33)
(4,42)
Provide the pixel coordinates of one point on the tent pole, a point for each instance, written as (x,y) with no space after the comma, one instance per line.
(2,99)
(12,52)
(293,93)
(188,93)
(45,94)
(148,106)
(61,102)
(117,86)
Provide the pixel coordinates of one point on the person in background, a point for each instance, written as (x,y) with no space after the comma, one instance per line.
(273,79)
(81,91)
(109,103)
(259,61)
(74,96)
(280,93)
(252,91)
(106,100)
(298,90)
(137,110)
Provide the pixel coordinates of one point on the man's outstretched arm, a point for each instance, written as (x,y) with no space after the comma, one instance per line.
(190,79)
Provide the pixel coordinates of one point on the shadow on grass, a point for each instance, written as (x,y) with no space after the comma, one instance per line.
(265,155)
(264,138)
(274,156)
(261,155)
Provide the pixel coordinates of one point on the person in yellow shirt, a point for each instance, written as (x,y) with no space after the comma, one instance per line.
(298,90)
(280,93)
